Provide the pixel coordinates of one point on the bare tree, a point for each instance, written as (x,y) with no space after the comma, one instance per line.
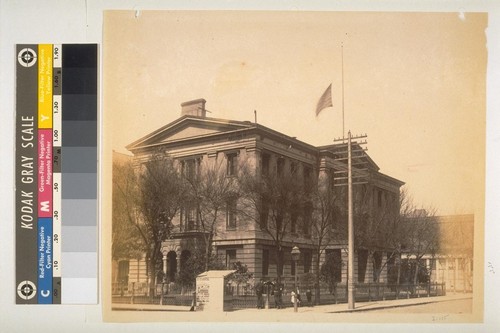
(127,242)
(421,236)
(378,228)
(323,224)
(273,203)
(212,192)
(161,193)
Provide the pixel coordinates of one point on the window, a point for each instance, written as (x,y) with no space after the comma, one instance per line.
(265,164)
(307,176)
(392,272)
(279,264)
(362,261)
(293,168)
(432,263)
(230,258)
(264,213)
(307,220)
(123,269)
(189,218)
(307,261)
(190,168)
(336,256)
(265,262)
(231,214)
(293,223)
(232,163)
(333,261)
(280,167)
(377,263)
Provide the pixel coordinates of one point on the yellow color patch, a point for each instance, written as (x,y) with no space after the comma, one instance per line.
(45,86)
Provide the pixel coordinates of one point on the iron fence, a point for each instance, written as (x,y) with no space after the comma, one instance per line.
(363,292)
(244,297)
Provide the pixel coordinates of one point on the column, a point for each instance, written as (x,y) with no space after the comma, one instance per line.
(164,265)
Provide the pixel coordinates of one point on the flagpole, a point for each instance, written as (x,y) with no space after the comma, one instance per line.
(343,123)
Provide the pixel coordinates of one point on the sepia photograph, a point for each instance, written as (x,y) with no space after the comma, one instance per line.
(293,166)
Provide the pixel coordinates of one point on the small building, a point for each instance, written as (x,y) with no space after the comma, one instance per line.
(454,262)
(445,252)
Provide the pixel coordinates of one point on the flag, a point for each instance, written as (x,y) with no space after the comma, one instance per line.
(325,100)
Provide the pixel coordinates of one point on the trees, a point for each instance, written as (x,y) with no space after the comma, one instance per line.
(241,276)
(412,233)
(323,224)
(331,271)
(126,239)
(421,237)
(196,264)
(161,194)
(281,205)
(212,192)
(274,203)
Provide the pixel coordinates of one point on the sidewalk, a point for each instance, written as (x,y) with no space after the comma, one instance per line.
(329,308)
(373,305)
(150,307)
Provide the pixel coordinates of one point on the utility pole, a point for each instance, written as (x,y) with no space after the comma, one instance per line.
(359,174)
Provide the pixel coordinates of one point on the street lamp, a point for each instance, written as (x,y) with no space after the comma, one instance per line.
(295,257)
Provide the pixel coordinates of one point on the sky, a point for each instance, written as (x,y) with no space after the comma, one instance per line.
(415,83)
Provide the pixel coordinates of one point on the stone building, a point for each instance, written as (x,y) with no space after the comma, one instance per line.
(195,141)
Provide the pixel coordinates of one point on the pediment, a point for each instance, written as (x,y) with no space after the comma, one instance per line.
(188,128)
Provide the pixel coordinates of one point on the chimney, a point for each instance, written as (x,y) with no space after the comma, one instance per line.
(194,108)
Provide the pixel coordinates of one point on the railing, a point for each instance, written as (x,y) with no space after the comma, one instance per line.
(243,297)
(127,289)
(137,293)
(363,293)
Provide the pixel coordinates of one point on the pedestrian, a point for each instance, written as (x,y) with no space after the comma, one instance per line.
(309,297)
(295,294)
(278,292)
(259,290)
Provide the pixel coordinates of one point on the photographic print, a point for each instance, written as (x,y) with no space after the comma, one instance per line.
(293,166)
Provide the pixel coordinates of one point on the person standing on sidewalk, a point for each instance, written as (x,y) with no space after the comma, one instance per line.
(295,294)
(259,290)
(278,293)
(309,297)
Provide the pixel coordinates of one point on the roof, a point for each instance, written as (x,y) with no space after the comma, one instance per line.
(194,129)
(206,127)
(210,126)
(216,274)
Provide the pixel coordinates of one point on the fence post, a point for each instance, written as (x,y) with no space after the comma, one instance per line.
(193,302)
(369,293)
(133,293)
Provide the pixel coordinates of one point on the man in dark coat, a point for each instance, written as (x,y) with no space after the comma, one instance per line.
(259,290)
(278,295)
